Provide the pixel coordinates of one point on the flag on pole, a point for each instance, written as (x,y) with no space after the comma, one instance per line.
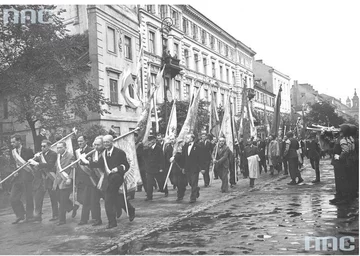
(266,122)
(214,126)
(172,124)
(156,115)
(138,84)
(276,122)
(127,85)
(190,122)
(226,126)
(132,177)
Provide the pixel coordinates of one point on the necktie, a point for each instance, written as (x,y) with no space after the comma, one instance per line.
(108,154)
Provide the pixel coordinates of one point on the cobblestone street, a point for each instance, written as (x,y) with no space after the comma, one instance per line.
(272,218)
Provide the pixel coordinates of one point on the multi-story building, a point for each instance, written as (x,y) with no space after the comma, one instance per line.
(302,96)
(272,80)
(113,48)
(206,54)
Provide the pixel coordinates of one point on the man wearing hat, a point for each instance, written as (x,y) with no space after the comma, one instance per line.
(154,164)
(314,152)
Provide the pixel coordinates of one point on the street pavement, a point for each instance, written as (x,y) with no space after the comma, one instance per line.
(272,218)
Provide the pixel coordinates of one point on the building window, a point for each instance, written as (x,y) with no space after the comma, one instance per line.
(226,51)
(204,65)
(196,62)
(177,89)
(153,78)
(128,53)
(186,53)
(222,99)
(233,77)
(163,11)
(185,26)
(221,73)
(219,46)
(227,76)
(176,50)
(212,42)
(187,92)
(131,91)
(6,108)
(150,8)
(213,69)
(151,42)
(167,83)
(114,97)
(195,31)
(257,96)
(175,17)
(203,37)
(111,43)
(215,98)
(206,94)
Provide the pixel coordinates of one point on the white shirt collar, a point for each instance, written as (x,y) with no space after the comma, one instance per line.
(153,146)
(110,151)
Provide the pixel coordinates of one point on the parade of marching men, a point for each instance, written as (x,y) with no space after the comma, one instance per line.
(136,126)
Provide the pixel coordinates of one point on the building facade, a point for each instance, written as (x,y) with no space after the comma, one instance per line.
(113,48)
(207,55)
(303,95)
(272,80)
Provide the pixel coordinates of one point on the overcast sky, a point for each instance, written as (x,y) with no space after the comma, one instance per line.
(315,42)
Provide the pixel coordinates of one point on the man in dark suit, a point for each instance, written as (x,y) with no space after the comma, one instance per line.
(115,163)
(83,175)
(22,182)
(63,182)
(261,147)
(44,177)
(313,152)
(154,164)
(191,161)
(205,151)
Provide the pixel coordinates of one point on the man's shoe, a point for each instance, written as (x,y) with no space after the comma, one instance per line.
(109,226)
(192,201)
(179,199)
(166,193)
(81,223)
(61,223)
(131,214)
(174,187)
(292,182)
(300,181)
(29,218)
(97,223)
(54,218)
(206,185)
(148,199)
(315,181)
(76,207)
(18,220)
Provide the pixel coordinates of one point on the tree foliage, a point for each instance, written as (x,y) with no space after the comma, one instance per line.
(44,73)
(181,112)
(323,113)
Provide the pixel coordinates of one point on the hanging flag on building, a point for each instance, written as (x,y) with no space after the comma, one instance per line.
(128,90)
(214,124)
(190,122)
(277,118)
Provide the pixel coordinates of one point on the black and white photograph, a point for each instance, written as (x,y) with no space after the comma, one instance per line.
(179,128)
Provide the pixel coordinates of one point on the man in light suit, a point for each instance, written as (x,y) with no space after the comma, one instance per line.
(115,163)
(22,181)
(63,182)
(191,161)
(44,177)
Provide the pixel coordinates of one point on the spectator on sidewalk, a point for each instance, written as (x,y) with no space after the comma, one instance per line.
(291,148)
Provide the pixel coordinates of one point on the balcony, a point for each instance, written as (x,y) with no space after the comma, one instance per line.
(172,65)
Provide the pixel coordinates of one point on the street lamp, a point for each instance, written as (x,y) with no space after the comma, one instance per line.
(166,25)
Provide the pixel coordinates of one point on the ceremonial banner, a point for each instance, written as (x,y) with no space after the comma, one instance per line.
(189,124)
(214,124)
(226,126)
(132,177)
(276,122)
(266,122)
(172,124)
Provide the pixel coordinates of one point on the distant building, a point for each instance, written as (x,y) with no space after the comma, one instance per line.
(302,96)
(272,80)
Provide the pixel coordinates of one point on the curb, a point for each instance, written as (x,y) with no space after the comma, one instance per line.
(166,222)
